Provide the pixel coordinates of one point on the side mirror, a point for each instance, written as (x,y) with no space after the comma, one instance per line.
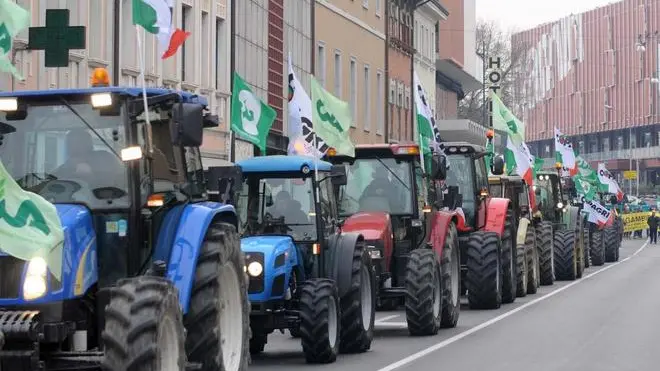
(338,175)
(438,167)
(187,128)
(498,165)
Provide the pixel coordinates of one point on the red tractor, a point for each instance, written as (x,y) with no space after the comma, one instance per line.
(414,247)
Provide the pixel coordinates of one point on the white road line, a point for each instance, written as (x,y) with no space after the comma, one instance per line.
(444,343)
(393,324)
(387,318)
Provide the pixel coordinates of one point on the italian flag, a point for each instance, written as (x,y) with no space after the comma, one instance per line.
(155,16)
(519,160)
(564,153)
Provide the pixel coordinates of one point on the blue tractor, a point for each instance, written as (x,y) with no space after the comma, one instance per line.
(152,273)
(305,274)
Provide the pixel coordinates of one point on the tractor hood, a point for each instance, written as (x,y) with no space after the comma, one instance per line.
(372,225)
(268,247)
(20,287)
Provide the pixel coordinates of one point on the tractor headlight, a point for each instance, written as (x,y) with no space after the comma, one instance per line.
(560,205)
(34,285)
(255,269)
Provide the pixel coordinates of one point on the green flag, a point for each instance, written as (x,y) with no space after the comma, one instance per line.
(504,120)
(332,119)
(13,19)
(583,188)
(251,118)
(586,172)
(29,225)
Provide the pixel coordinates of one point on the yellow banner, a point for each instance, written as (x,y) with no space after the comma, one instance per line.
(635,221)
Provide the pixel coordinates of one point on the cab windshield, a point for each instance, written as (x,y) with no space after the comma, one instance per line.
(378,184)
(547,195)
(51,151)
(277,206)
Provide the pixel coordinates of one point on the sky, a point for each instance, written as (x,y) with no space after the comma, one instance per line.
(525,14)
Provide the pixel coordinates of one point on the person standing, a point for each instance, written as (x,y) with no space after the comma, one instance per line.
(653,228)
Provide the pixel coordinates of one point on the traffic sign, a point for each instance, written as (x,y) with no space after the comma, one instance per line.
(630,174)
(57,38)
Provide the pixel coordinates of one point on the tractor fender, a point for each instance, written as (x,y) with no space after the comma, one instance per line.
(439,228)
(181,250)
(496,209)
(373,226)
(339,261)
(523,225)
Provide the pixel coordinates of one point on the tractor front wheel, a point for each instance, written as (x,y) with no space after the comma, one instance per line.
(544,248)
(533,274)
(423,293)
(320,325)
(597,248)
(218,318)
(565,255)
(450,266)
(611,244)
(484,271)
(587,247)
(144,326)
(509,257)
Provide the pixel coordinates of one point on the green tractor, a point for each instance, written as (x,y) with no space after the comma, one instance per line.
(565,224)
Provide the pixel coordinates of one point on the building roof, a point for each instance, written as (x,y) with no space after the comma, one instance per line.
(279,163)
(129,91)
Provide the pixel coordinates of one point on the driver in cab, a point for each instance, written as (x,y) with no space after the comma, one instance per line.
(85,162)
(381,189)
(288,208)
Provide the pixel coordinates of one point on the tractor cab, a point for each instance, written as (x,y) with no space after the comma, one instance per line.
(549,196)
(468,174)
(515,189)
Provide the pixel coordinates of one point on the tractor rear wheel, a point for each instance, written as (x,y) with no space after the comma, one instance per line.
(533,274)
(358,305)
(565,255)
(218,318)
(597,248)
(587,247)
(522,271)
(144,326)
(320,325)
(509,256)
(484,270)
(544,247)
(611,244)
(423,293)
(450,266)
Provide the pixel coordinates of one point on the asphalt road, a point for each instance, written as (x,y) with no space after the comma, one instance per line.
(608,320)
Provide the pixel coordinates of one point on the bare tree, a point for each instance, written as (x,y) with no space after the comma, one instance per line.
(493,42)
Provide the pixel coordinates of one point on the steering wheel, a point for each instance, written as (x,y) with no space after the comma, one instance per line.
(63,190)
(270,221)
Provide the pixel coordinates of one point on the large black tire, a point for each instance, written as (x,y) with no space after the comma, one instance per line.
(320,315)
(597,248)
(544,246)
(450,266)
(611,244)
(357,317)
(423,293)
(522,271)
(137,317)
(220,266)
(579,249)
(565,255)
(509,256)
(484,271)
(533,272)
(587,247)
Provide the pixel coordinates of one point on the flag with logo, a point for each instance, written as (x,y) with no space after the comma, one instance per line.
(519,160)
(251,118)
(332,120)
(302,138)
(29,225)
(504,120)
(584,188)
(155,16)
(13,19)
(429,135)
(608,183)
(564,153)
(597,213)
(586,172)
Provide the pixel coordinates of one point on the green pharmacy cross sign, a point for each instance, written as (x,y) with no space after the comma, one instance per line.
(57,38)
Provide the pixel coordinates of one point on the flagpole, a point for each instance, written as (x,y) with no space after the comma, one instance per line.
(144,91)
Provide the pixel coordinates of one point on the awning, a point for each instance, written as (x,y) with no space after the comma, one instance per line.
(465,131)
(456,73)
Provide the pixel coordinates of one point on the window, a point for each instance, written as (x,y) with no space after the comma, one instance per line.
(219,60)
(380,97)
(320,66)
(392,99)
(186,25)
(206,55)
(338,74)
(326,201)
(378,5)
(366,94)
(353,97)
(606,144)
(365,4)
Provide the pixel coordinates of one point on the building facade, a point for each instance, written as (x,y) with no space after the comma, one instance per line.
(399,61)
(200,66)
(594,76)
(350,61)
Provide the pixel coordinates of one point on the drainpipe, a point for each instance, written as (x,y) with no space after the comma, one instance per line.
(116,35)
(412,69)
(386,106)
(232,68)
(313,36)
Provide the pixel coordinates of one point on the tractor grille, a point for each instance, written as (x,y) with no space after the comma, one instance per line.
(255,284)
(11,270)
